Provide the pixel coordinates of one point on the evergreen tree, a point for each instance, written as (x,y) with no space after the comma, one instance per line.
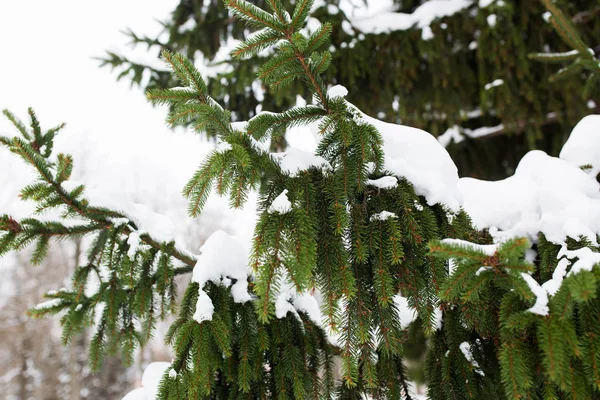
(441,82)
(344,223)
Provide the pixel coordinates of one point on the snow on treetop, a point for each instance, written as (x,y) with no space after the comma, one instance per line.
(222,258)
(416,155)
(583,146)
(546,194)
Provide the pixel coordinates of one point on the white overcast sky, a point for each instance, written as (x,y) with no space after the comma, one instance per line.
(120,143)
(47,49)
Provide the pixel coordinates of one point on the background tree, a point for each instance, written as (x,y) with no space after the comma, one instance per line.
(466,72)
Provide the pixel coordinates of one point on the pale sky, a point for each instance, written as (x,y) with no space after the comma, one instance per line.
(120,144)
(46,63)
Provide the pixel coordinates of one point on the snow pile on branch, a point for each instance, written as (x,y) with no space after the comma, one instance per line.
(293,161)
(583,146)
(546,194)
(421,18)
(541,296)
(465,348)
(417,156)
(150,381)
(385,182)
(281,204)
(223,259)
(290,300)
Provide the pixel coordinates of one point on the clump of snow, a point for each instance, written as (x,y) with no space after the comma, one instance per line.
(481,270)
(118,222)
(383,216)
(281,204)
(492,20)
(546,194)
(427,33)
(553,285)
(418,206)
(541,302)
(452,134)
(465,348)
(222,258)
(385,182)
(493,84)
(347,28)
(485,3)
(487,249)
(150,381)
(337,91)
(288,299)
(48,304)
(134,242)
(189,25)
(222,147)
(547,15)
(422,17)
(583,146)
(293,161)
(586,260)
(416,155)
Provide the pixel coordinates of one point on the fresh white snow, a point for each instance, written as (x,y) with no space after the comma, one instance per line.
(422,17)
(465,348)
(541,302)
(383,216)
(293,161)
(223,257)
(583,146)
(385,182)
(150,381)
(281,204)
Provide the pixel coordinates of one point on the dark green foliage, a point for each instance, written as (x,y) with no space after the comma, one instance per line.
(529,355)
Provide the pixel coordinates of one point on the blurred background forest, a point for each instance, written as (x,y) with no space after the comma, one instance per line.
(459,69)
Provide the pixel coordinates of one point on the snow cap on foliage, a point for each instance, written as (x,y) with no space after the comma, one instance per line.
(337,91)
(416,155)
(583,146)
(546,194)
(541,294)
(281,204)
(385,182)
(150,380)
(293,161)
(288,299)
(222,258)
